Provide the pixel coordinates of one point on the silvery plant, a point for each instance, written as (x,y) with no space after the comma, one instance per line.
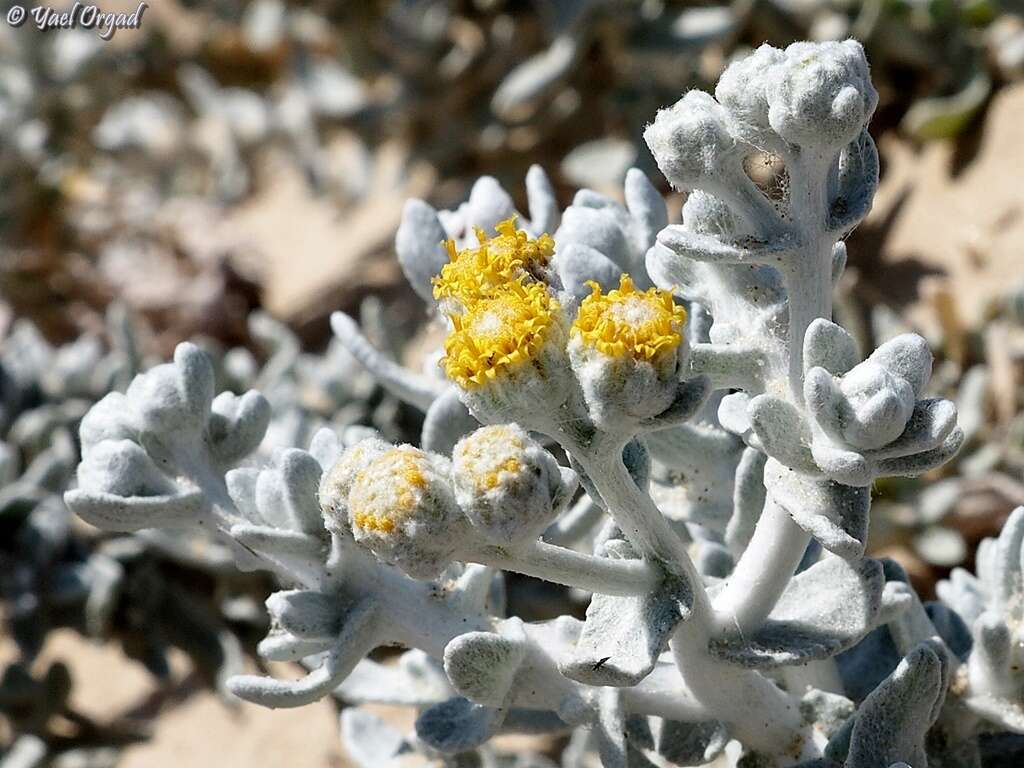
(55,574)
(137,589)
(662,417)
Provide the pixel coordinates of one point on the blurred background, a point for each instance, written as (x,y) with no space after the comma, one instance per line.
(232,172)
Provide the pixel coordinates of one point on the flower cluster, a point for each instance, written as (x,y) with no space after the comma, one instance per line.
(419,510)
(511,334)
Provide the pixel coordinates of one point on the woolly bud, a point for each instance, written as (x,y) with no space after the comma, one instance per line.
(869,408)
(691,140)
(741,88)
(337,481)
(821,95)
(401,507)
(509,487)
(870,405)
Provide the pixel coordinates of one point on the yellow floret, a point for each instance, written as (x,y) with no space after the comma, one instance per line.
(388,489)
(500,332)
(472,273)
(626,322)
(489,453)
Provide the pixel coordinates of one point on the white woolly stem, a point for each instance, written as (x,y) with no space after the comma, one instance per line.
(636,514)
(809,287)
(762,573)
(808,272)
(660,694)
(437,622)
(424,621)
(573,569)
(761,715)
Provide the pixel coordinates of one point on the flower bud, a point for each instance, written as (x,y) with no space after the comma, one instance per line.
(881,405)
(401,507)
(821,95)
(337,481)
(625,350)
(509,487)
(691,140)
(741,89)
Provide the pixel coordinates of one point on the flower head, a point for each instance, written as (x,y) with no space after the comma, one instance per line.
(625,349)
(506,348)
(337,481)
(500,333)
(472,273)
(625,322)
(509,487)
(401,507)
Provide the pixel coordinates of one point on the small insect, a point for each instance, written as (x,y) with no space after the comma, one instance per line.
(600,663)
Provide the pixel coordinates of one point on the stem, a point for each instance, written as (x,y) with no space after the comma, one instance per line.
(809,288)
(423,619)
(574,569)
(808,274)
(659,694)
(762,573)
(760,715)
(637,515)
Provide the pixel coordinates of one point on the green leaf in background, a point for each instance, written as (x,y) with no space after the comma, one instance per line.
(943,117)
(978,13)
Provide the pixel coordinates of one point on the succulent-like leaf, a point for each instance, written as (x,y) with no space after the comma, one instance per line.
(623,636)
(836,515)
(892,723)
(824,610)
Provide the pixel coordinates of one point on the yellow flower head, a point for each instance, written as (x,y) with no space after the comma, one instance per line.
(402,509)
(389,489)
(500,332)
(626,322)
(473,272)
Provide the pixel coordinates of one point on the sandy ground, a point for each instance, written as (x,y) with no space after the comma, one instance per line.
(951,215)
(194,727)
